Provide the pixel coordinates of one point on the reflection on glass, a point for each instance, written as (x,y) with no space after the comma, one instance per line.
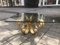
(48,2)
(51,1)
(2,23)
(11,2)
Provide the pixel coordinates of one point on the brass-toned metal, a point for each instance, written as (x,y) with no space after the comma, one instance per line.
(29,26)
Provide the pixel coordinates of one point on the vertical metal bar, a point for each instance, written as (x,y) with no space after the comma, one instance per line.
(57,2)
(15,2)
(38,16)
(22,18)
(1,3)
(7,2)
(43,2)
(22,2)
(19,2)
(40,2)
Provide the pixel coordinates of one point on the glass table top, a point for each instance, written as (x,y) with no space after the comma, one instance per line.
(11,32)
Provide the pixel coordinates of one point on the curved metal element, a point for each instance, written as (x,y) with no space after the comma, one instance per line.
(30,23)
